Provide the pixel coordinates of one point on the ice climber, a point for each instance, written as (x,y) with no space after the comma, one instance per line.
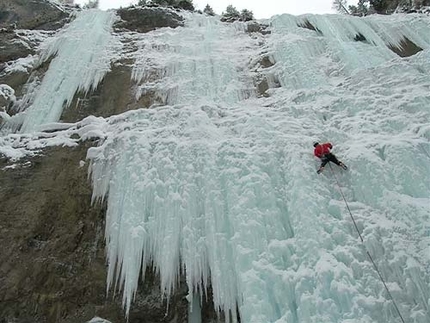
(322,151)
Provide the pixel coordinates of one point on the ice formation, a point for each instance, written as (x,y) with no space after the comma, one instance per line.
(98,320)
(83,52)
(219,184)
(223,188)
(197,62)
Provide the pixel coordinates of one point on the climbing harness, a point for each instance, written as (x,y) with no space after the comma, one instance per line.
(367,252)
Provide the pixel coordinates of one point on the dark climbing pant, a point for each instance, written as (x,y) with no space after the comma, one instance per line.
(329,158)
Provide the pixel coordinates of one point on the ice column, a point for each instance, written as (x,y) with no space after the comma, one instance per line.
(83,52)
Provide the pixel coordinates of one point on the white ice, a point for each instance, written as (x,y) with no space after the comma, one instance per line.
(197,64)
(223,188)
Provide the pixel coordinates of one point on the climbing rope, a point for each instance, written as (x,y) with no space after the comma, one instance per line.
(424,150)
(362,241)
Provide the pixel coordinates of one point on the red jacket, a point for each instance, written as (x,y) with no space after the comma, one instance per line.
(323,149)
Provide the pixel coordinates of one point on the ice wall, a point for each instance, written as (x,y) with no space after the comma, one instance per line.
(312,50)
(223,188)
(197,64)
(81,53)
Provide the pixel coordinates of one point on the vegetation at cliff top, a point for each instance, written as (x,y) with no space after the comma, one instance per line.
(365,7)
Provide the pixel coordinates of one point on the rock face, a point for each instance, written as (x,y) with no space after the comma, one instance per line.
(35,14)
(406,48)
(255,27)
(12,47)
(52,264)
(144,19)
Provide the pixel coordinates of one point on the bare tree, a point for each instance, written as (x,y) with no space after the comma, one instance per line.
(340,6)
(361,9)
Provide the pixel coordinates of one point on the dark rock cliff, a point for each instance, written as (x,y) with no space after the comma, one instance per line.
(52,264)
(24,14)
(144,19)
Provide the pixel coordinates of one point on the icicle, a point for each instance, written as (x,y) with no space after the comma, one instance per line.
(225,192)
(83,52)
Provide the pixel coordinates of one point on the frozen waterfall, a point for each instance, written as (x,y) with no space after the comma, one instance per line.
(199,63)
(217,181)
(81,53)
(221,186)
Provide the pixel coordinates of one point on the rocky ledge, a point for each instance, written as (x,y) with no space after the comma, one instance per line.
(145,19)
(35,14)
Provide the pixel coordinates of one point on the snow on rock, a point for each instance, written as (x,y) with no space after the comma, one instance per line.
(7,93)
(24,64)
(7,97)
(17,146)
